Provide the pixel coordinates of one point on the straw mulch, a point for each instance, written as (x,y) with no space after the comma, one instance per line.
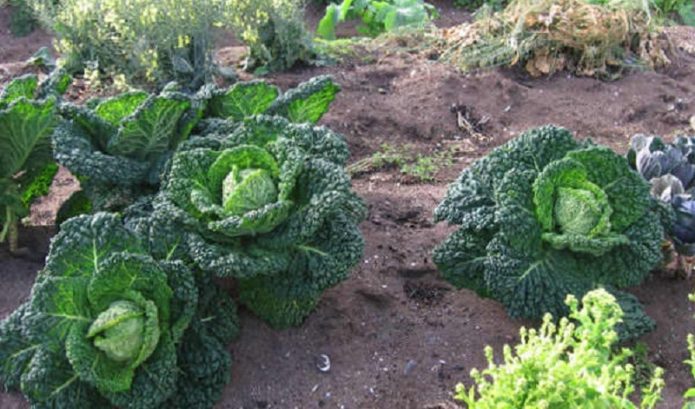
(546,36)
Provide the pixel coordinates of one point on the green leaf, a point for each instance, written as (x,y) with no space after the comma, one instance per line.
(50,382)
(22,87)
(16,349)
(122,274)
(327,24)
(116,109)
(55,85)
(205,371)
(461,259)
(243,100)
(84,241)
(25,131)
(77,204)
(92,130)
(241,157)
(151,130)
(37,184)
(627,192)
(60,303)
(258,221)
(308,102)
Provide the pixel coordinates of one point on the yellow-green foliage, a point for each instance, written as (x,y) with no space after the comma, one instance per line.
(570,365)
(273,29)
(156,41)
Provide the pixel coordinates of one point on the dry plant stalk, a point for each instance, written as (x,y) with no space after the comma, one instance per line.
(545,36)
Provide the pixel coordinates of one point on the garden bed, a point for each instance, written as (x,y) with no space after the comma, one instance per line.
(398,336)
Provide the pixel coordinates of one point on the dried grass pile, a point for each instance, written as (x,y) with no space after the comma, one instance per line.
(587,37)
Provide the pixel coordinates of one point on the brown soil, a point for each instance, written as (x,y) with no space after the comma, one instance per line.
(13,49)
(396,334)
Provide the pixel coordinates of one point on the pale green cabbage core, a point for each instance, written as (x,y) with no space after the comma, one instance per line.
(247,190)
(119,331)
(577,211)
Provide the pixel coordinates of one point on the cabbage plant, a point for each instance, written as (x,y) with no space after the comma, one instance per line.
(670,170)
(27,119)
(108,326)
(271,206)
(544,216)
(119,147)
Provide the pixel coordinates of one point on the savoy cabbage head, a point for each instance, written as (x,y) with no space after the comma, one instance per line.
(269,205)
(544,216)
(108,326)
(27,119)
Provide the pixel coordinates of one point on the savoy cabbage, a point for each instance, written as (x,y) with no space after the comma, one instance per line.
(27,119)
(108,326)
(119,147)
(544,216)
(269,205)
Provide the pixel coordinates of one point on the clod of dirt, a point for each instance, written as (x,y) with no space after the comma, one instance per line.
(378,300)
(424,293)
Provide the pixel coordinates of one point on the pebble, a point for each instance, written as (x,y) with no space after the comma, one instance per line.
(409,366)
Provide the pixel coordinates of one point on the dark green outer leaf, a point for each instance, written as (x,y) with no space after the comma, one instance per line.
(635,321)
(235,260)
(59,304)
(50,383)
(185,297)
(476,186)
(533,149)
(75,149)
(92,128)
(203,359)
(287,298)
(629,265)
(84,241)
(205,366)
(323,191)
(189,171)
(461,259)
(16,350)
